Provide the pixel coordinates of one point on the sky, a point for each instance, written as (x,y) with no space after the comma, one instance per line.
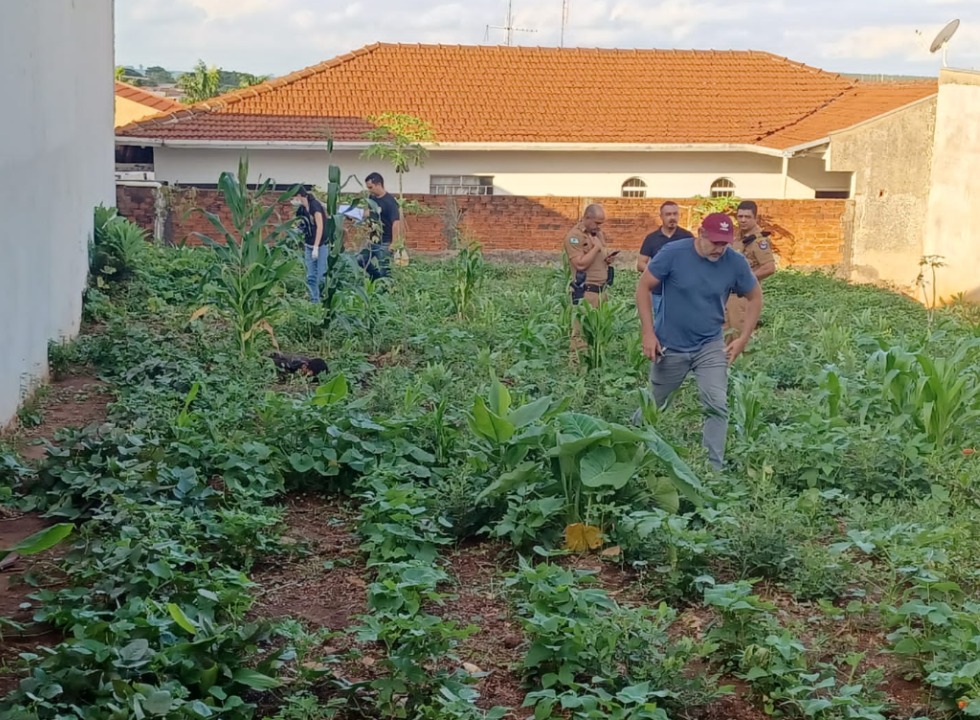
(278,36)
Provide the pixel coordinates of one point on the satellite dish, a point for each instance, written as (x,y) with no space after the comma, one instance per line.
(942,39)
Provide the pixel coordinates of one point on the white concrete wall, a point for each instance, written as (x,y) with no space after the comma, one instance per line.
(56,164)
(891,159)
(952,231)
(571,174)
(809,174)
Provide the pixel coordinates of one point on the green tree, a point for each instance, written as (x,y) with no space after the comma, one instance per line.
(159,75)
(201,83)
(128,75)
(397,138)
(248,79)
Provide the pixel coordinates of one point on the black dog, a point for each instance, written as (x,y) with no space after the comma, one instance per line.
(299,364)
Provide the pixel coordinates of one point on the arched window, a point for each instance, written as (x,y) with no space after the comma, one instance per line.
(634,188)
(722,187)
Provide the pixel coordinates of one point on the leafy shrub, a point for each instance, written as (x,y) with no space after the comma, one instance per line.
(672,552)
(117,248)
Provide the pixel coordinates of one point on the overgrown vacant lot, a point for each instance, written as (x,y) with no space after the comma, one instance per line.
(388,542)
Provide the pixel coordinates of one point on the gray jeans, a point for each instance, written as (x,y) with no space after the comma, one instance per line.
(710,368)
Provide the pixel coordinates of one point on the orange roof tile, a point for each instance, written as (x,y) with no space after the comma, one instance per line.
(559,95)
(860,103)
(150,100)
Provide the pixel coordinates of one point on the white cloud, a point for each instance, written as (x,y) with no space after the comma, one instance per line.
(907,42)
(881,41)
(233,9)
(278,36)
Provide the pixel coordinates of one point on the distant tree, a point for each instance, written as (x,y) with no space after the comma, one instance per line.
(159,75)
(232,79)
(201,83)
(397,138)
(248,79)
(128,75)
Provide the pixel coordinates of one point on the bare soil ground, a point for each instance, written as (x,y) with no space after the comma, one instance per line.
(74,401)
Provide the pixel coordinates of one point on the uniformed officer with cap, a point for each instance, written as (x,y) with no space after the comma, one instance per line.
(585,246)
(754,244)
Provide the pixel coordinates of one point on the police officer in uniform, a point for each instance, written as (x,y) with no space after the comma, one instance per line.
(585,246)
(754,244)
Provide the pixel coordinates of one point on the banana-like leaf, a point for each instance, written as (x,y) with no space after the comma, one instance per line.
(39,541)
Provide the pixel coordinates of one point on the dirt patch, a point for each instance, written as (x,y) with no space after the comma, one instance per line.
(325,582)
(498,647)
(74,401)
(731,707)
(14,592)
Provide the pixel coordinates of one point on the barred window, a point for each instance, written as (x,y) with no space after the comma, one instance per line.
(634,188)
(722,187)
(461,184)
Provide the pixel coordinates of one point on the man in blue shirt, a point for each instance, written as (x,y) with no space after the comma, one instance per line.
(697,276)
(669,231)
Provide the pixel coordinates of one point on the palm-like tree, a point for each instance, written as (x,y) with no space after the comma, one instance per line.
(200,84)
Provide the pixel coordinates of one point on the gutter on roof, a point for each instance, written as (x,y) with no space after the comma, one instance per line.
(796,149)
(458,146)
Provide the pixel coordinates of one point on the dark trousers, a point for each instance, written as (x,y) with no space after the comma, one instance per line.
(376,260)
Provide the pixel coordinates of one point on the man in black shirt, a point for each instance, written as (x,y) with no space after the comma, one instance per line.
(386,227)
(668,232)
(312,221)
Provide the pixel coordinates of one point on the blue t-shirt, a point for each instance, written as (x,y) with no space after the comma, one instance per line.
(695,292)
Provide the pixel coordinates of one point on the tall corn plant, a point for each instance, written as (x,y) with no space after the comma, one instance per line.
(468,268)
(253,259)
(940,395)
(598,329)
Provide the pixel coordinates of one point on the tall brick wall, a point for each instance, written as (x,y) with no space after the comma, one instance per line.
(137,204)
(806,233)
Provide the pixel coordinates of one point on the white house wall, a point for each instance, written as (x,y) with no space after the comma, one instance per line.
(951,232)
(890,158)
(575,174)
(56,160)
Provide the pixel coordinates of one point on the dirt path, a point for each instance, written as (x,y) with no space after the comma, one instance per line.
(75,401)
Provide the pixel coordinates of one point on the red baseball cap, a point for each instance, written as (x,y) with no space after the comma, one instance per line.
(718,228)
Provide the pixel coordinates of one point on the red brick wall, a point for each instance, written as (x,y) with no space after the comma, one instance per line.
(137,204)
(806,233)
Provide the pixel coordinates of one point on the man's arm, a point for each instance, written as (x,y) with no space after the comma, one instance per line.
(753,310)
(582,260)
(644,306)
(396,224)
(318,221)
(647,250)
(765,270)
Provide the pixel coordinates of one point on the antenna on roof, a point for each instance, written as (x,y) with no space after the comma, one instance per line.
(943,38)
(564,22)
(509,27)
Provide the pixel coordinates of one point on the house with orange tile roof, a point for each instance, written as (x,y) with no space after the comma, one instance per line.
(540,121)
(133,103)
